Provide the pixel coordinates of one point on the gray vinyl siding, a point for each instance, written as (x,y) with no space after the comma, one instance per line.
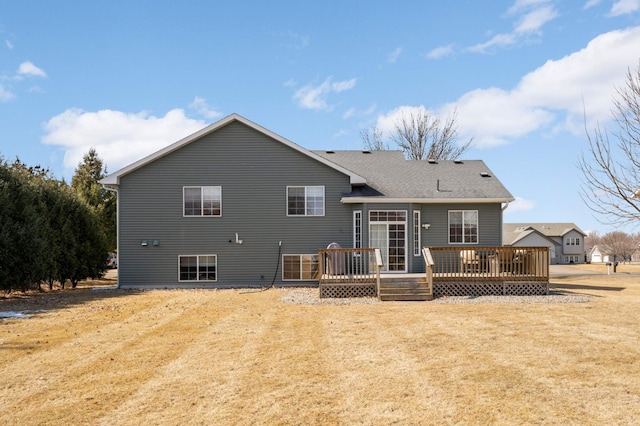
(489,224)
(253,171)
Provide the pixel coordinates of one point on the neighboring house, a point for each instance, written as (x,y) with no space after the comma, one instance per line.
(595,255)
(235,204)
(564,240)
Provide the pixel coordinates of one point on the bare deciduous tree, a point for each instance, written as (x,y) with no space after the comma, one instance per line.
(611,168)
(619,244)
(421,136)
(372,139)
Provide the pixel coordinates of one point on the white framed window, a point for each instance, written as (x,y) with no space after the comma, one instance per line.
(463,227)
(200,201)
(305,200)
(357,229)
(300,267)
(416,233)
(198,268)
(573,241)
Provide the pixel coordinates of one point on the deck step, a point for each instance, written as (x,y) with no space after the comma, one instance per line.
(403,289)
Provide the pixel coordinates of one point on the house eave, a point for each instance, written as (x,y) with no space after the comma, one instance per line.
(388,200)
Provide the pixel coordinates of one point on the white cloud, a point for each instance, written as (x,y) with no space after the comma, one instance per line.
(534,20)
(393,57)
(9,44)
(315,97)
(520,205)
(624,7)
(591,3)
(440,52)
(201,107)
(531,16)
(5,95)
(120,138)
(29,69)
(387,122)
(556,94)
(521,5)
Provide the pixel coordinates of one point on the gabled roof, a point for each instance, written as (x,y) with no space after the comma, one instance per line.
(113,180)
(512,232)
(392,178)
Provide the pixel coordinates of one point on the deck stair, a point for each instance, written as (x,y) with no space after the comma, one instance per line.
(407,287)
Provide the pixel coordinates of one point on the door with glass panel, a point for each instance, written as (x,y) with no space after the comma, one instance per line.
(388,232)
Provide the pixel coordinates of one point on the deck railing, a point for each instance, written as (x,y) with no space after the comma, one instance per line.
(350,266)
(429,264)
(490,263)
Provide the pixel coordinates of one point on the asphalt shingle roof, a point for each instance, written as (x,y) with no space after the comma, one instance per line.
(390,175)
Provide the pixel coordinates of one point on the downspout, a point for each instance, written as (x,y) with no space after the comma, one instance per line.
(506,204)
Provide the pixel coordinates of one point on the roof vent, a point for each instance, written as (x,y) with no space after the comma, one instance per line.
(331,152)
(485,174)
(432,161)
(458,161)
(366,152)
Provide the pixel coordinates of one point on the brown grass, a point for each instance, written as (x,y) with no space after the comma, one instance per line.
(232,357)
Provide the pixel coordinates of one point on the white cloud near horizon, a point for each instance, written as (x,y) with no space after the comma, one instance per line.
(558,93)
(29,69)
(120,138)
(201,107)
(315,97)
(520,205)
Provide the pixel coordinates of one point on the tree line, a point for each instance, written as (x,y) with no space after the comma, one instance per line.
(616,244)
(51,231)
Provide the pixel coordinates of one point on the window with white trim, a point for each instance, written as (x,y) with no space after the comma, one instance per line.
(573,241)
(305,200)
(416,233)
(463,226)
(198,268)
(357,229)
(300,267)
(202,201)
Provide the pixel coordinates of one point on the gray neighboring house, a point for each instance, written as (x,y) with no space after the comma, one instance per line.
(564,240)
(236,205)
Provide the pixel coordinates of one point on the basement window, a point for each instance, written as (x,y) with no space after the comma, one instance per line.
(300,267)
(198,268)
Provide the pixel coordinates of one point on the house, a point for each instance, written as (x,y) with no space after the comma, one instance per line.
(235,204)
(564,240)
(595,255)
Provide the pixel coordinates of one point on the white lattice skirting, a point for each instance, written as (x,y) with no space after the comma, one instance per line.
(498,288)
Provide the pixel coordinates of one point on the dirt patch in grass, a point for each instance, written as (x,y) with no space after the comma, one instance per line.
(236,357)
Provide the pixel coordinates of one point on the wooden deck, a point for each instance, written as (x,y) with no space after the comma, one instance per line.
(450,271)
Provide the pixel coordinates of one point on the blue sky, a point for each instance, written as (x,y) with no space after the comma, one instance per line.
(131,77)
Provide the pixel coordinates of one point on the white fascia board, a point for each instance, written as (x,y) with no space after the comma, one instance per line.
(113,180)
(384,200)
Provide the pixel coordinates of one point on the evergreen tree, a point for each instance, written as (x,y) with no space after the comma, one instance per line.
(86,183)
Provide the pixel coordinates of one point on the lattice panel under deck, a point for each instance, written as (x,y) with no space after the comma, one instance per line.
(498,288)
(351,290)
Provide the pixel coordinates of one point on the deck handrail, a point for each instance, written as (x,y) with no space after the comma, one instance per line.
(429,264)
(495,263)
(349,265)
(379,265)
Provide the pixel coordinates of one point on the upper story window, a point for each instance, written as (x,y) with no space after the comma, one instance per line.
(463,226)
(202,200)
(573,241)
(305,201)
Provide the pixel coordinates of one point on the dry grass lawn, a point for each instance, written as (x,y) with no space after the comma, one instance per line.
(233,357)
